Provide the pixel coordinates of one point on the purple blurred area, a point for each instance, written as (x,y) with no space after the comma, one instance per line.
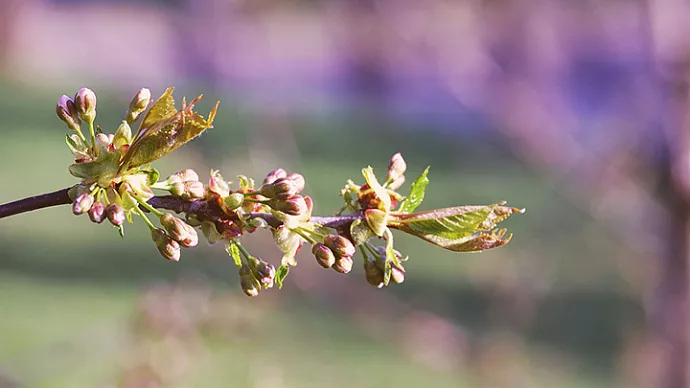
(588,98)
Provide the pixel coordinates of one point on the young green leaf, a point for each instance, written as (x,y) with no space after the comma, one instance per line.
(164,129)
(390,258)
(459,229)
(234,251)
(409,204)
(281,274)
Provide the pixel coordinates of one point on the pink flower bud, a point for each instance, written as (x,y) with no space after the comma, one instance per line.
(97,212)
(82,203)
(115,214)
(341,246)
(324,255)
(293,206)
(67,112)
(179,230)
(138,105)
(167,247)
(396,167)
(274,176)
(343,264)
(85,101)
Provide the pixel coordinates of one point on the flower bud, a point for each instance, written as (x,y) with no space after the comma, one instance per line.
(138,105)
(397,183)
(115,214)
(167,247)
(248,282)
(179,230)
(250,286)
(373,272)
(297,180)
(324,255)
(67,112)
(233,201)
(192,190)
(187,175)
(177,188)
(82,204)
(123,135)
(343,264)
(397,273)
(293,206)
(310,204)
(341,246)
(396,167)
(97,212)
(283,188)
(102,140)
(265,273)
(85,101)
(274,176)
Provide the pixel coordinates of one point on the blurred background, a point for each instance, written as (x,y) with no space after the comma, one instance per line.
(577,111)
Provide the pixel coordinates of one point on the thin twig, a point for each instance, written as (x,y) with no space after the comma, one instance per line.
(202,209)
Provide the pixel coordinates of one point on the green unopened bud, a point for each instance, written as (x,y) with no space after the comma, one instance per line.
(341,246)
(233,201)
(85,101)
(179,230)
(67,112)
(250,286)
(294,206)
(343,264)
(167,247)
(82,204)
(274,176)
(123,135)
(177,188)
(324,255)
(97,212)
(374,272)
(115,214)
(138,105)
(396,167)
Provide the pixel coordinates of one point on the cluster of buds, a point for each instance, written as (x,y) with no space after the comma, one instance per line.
(282,190)
(174,234)
(98,211)
(73,111)
(335,252)
(374,268)
(256,274)
(186,185)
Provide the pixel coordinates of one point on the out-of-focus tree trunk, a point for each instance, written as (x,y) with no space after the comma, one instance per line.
(668,306)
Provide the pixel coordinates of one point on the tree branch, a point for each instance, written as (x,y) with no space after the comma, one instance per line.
(203,209)
(55,198)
